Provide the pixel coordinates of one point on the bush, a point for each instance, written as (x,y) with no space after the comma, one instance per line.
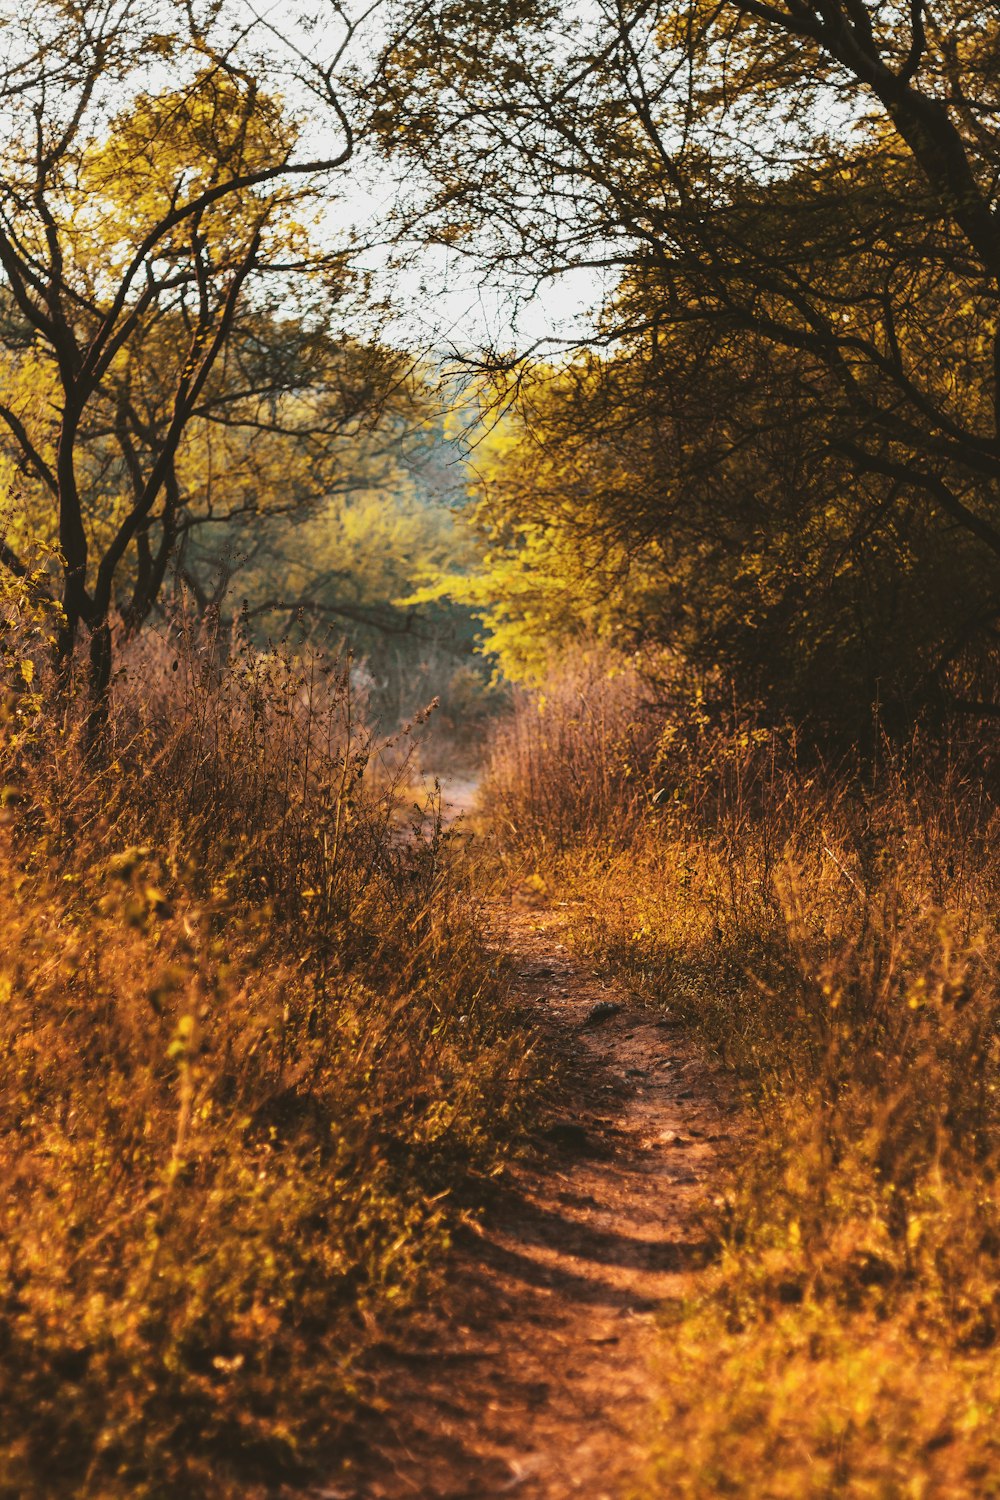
(251,1037)
(831,933)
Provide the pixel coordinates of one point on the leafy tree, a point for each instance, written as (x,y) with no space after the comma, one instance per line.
(552,570)
(157,208)
(380,520)
(608,510)
(352,561)
(798,203)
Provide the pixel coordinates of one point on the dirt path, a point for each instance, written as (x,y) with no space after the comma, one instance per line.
(531,1378)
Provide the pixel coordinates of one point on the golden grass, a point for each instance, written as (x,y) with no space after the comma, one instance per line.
(832,936)
(254,1057)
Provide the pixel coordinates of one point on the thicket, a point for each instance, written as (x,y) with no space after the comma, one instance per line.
(775,446)
(606,513)
(830,933)
(254,1056)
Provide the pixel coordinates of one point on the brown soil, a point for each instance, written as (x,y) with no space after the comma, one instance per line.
(530,1377)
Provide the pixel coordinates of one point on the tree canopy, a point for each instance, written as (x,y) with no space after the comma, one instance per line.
(792,411)
(165,284)
(778,449)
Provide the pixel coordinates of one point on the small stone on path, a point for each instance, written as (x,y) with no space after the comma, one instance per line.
(603,1011)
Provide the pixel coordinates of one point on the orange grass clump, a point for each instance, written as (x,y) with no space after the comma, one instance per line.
(831,935)
(250,1037)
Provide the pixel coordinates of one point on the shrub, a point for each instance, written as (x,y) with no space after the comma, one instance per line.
(250,1038)
(831,934)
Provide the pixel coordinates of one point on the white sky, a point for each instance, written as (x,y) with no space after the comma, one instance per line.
(440,300)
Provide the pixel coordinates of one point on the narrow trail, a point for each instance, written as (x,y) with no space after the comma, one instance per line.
(531,1376)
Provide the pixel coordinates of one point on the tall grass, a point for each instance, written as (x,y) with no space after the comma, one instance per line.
(568,767)
(252,1049)
(831,933)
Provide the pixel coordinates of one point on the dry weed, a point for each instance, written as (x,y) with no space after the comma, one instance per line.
(832,935)
(252,1052)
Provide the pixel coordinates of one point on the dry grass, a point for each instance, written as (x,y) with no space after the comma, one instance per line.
(833,936)
(254,1055)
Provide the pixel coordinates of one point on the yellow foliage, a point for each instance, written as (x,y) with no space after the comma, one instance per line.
(547,579)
